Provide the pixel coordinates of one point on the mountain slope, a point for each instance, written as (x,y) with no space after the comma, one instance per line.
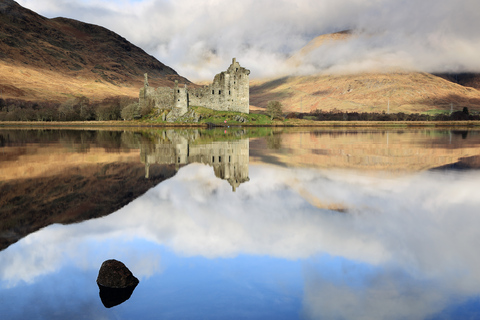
(471,80)
(396,91)
(38,55)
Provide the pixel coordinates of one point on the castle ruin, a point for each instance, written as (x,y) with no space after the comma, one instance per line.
(228,92)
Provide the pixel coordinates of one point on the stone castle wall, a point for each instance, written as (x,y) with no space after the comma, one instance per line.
(228,92)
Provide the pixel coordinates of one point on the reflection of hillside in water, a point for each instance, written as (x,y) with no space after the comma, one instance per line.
(373,150)
(229,159)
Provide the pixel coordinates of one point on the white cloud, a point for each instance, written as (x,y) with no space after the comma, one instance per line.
(198,38)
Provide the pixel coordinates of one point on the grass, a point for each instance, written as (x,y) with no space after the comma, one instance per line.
(213,117)
(219,117)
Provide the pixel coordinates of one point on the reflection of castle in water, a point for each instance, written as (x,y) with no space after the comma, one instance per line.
(229,159)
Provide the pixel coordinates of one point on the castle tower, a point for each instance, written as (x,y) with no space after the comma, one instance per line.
(180,102)
(238,87)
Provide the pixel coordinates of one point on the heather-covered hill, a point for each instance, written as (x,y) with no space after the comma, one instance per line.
(366,92)
(53,59)
(394,91)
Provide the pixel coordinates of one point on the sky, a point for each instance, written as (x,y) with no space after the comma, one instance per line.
(198,38)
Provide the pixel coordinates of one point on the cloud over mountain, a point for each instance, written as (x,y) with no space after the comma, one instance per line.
(199,37)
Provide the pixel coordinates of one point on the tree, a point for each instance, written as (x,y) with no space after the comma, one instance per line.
(66,111)
(131,111)
(108,109)
(274,109)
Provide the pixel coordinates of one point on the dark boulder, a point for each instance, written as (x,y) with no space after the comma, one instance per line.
(114,274)
(116,283)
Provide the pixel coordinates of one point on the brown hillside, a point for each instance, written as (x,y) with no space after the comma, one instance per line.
(471,80)
(405,92)
(398,91)
(53,59)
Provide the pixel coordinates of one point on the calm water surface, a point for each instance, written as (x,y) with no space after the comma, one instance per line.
(242,224)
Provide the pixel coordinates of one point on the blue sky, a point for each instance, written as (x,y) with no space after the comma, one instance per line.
(198,38)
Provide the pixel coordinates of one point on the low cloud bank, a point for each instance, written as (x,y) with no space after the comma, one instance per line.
(198,38)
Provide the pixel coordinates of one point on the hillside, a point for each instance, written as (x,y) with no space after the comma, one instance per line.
(471,80)
(394,92)
(399,91)
(53,59)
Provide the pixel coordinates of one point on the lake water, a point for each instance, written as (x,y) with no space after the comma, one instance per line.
(242,223)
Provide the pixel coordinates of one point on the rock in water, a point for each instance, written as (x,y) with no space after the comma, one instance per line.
(116,283)
(114,274)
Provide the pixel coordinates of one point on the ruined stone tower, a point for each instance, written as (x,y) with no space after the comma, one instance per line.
(228,92)
(180,102)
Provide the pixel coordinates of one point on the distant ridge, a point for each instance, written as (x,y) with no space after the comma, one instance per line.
(471,80)
(395,91)
(38,55)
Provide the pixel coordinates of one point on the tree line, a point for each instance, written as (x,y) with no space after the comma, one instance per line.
(75,109)
(336,115)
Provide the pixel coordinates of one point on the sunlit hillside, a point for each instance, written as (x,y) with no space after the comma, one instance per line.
(367,92)
(394,91)
(55,59)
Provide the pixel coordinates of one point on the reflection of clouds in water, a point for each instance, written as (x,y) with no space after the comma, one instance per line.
(424,225)
(428,224)
(385,294)
(265,216)
(57,246)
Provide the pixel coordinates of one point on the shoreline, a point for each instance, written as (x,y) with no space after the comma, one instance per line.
(309,124)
